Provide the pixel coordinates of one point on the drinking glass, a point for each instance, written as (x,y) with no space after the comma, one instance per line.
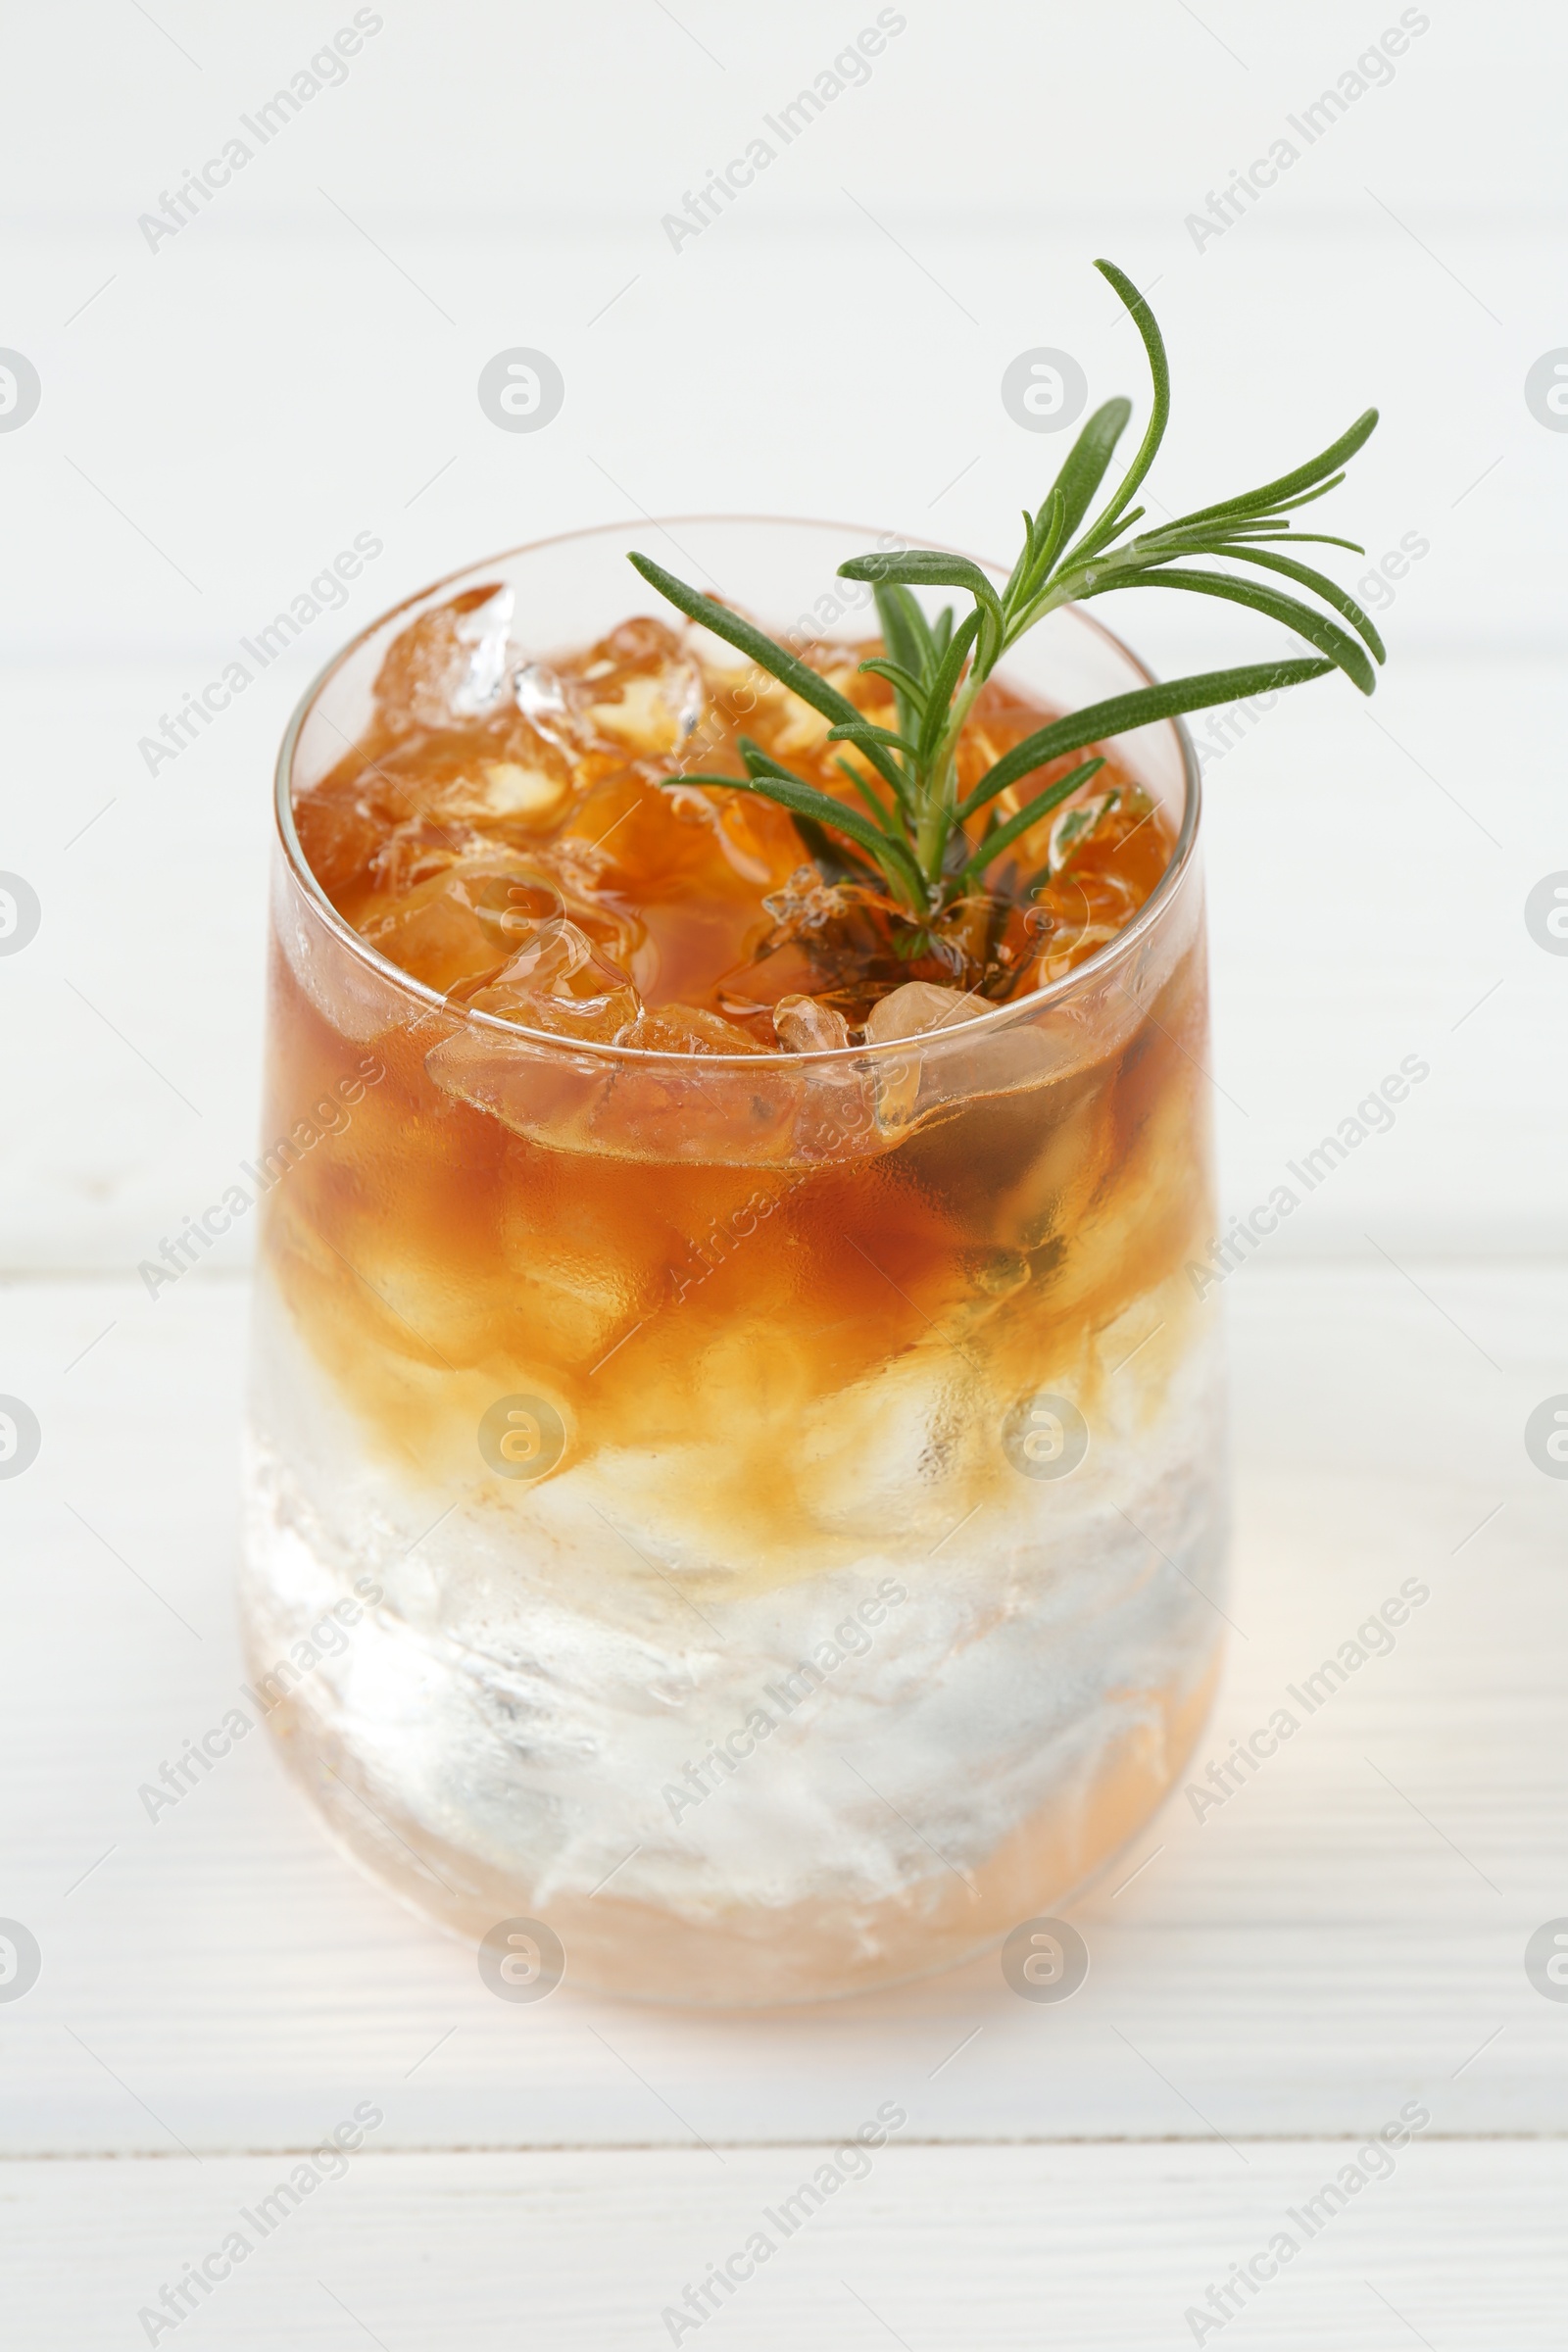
(735,1529)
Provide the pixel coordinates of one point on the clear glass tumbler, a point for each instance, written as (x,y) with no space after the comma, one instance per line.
(760,1518)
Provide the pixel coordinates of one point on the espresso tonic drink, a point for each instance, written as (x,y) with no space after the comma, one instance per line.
(735,1461)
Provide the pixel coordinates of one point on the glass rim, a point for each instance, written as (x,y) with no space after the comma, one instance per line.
(972,1027)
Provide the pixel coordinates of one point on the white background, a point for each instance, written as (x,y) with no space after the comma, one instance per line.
(218,417)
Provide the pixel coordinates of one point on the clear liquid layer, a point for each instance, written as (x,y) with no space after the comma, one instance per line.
(712,1786)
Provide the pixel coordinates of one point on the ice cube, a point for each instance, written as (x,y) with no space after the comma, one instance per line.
(451,663)
(559,981)
(542,699)
(686,1029)
(596,1020)
(724,663)
(639,689)
(651,716)
(916,1008)
(485,630)
(345,819)
(835,1115)
(800,731)
(804,1025)
(511,778)
(415,853)
(465,920)
(512,790)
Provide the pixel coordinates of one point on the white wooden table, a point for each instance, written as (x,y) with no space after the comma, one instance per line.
(1269,1983)
(1346,1935)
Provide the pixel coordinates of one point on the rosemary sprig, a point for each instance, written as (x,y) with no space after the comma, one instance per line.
(917,837)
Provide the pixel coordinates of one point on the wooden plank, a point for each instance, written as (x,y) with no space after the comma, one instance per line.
(1344,1933)
(1458,2247)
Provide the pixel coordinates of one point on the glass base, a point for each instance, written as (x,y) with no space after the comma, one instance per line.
(745,1957)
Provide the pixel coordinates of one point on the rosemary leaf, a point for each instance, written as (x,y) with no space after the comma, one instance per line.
(1341,650)
(1082,474)
(927,568)
(1124,712)
(937,669)
(1040,806)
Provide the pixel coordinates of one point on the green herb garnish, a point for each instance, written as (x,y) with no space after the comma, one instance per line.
(919,836)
